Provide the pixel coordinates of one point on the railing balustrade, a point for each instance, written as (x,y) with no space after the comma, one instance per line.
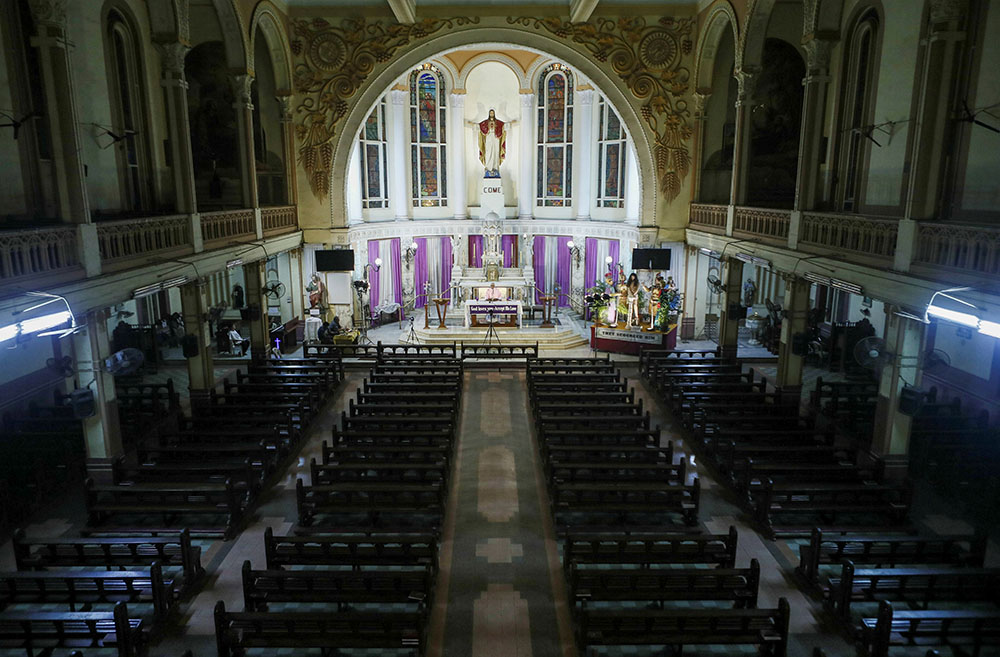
(279,219)
(867,236)
(227,224)
(762,222)
(121,241)
(971,249)
(708,216)
(37,252)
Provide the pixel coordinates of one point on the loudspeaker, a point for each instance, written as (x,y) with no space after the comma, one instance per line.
(82,402)
(910,400)
(800,344)
(734,309)
(189,345)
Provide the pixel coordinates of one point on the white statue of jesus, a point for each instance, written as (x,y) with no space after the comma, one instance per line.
(492,143)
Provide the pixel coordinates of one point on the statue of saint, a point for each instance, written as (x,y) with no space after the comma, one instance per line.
(492,143)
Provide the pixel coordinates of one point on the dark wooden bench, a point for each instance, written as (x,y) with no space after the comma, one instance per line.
(175,551)
(343,587)
(529,352)
(400,350)
(765,628)
(356,452)
(425,500)
(381,472)
(583,472)
(650,548)
(74,629)
(620,499)
(556,455)
(738,585)
(340,437)
(238,631)
(888,550)
(417,548)
(966,630)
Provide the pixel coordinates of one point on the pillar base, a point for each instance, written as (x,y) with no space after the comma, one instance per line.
(897,466)
(789,390)
(727,351)
(101,470)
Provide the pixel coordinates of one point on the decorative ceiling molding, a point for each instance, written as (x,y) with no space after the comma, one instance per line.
(405,11)
(332,64)
(653,61)
(580,11)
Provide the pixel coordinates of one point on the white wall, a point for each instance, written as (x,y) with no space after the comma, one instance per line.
(492,85)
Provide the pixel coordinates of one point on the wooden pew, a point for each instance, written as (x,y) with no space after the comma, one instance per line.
(765,628)
(736,585)
(621,499)
(263,587)
(74,629)
(340,437)
(374,500)
(377,453)
(562,472)
(888,550)
(382,550)
(238,631)
(174,551)
(323,474)
(648,548)
(969,630)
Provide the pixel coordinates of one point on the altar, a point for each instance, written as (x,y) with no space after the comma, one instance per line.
(507,314)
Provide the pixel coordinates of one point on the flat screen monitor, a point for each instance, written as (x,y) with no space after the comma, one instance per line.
(335,260)
(651,259)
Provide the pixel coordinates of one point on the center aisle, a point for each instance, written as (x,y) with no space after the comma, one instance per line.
(497,541)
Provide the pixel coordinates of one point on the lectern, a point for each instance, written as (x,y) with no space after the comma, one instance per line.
(441,305)
(547,301)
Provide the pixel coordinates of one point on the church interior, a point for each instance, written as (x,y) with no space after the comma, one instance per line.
(383,328)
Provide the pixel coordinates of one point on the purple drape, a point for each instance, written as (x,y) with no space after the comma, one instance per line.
(538,261)
(475,250)
(508,246)
(396,261)
(590,267)
(446,267)
(613,252)
(420,271)
(373,276)
(563,263)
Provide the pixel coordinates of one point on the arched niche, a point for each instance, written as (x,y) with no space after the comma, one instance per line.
(267,23)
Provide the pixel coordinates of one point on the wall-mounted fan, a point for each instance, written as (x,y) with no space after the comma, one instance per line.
(63,366)
(871,353)
(274,289)
(126,361)
(933,359)
(715,284)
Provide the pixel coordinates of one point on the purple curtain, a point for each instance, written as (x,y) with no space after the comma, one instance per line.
(538,261)
(613,252)
(475,250)
(508,246)
(420,271)
(590,267)
(563,273)
(396,261)
(373,276)
(446,267)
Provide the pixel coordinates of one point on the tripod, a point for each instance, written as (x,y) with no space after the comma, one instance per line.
(491,332)
(363,329)
(411,337)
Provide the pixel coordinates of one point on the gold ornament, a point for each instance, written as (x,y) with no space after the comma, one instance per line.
(650,59)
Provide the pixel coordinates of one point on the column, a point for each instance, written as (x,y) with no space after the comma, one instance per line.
(525,179)
(458,192)
(746,78)
(200,369)
(891,437)
(244,131)
(61,114)
(175,88)
(815,86)
(935,108)
(399,196)
(295,282)
(730,316)
(288,148)
(584,149)
(701,97)
(633,197)
(257,326)
(796,307)
(102,431)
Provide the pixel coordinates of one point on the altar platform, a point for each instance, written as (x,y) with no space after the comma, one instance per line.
(567,334)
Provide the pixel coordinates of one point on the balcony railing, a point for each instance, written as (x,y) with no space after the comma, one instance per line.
(279,220)
(971,249)
(865,236)
(40,252)
(121,241)
(762,222)
(227,224)
(710,217)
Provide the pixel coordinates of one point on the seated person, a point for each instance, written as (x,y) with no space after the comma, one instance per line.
(493,294)
(238,340)
(335,326)
(323,333)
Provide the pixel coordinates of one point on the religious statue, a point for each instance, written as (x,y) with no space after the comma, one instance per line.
(632,301)
(317,291)
(492,144)
(655,293)
(749,292)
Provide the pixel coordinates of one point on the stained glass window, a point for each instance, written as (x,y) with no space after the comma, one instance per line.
(427,137)
(374,181)
(555,136)
(611,146)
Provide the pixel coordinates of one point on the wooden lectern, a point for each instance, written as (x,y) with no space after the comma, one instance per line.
(547,301)
(442,310)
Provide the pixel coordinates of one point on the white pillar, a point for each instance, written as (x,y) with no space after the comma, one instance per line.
(632,192)
(354,202)
(399,196)
(584,145)
(175,88)
(525,179)
(244,125)
(102,431)
(458,192)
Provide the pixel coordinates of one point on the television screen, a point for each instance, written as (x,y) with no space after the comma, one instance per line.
(335,260)
(651,259)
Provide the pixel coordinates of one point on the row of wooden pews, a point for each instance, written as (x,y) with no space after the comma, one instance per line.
(112,593)
(208,471)
(790,473)
(360,571)
(637,574)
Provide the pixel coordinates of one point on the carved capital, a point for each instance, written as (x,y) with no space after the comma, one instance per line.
(700,101)
(817,54)
(172,56)
(399,97)
(48,12)
(746,80)
(585,96)
(456,100)
(285,103)
(241,89)
(947,11)
(528,99)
